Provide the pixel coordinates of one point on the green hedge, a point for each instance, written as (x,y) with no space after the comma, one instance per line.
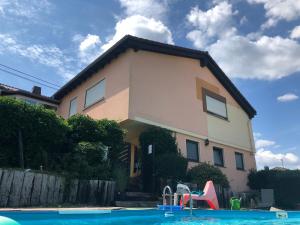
(80,146)
(286,185)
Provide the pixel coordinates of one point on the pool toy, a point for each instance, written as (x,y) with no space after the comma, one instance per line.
(7,221)
(209,195)
(235,203)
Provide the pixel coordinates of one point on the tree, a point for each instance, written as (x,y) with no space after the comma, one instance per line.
(202,173)
(164,150)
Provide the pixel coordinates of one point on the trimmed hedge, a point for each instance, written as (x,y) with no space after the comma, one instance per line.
(286,185)
(79,146)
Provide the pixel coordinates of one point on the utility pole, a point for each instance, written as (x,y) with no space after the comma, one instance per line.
(282,162)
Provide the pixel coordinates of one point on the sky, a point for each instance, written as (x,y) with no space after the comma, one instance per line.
(255,42)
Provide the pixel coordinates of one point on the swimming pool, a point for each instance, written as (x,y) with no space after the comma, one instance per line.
(153,217)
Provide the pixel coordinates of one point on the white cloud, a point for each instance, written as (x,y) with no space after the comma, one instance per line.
(267,58)
(277,10)
(140,26)
(254,56)
(89,47)
(262,143)
(213,23)
(48,55)
(27,9)
(268,158)
(89,42)
(287,97)
(148,8)
(295,32)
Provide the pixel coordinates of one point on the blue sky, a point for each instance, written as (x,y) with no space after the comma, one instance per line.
(256,42)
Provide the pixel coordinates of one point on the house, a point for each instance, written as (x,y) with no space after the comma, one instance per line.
(143,83)
(33,97)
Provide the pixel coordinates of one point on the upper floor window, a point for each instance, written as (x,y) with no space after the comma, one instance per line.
(192,150)
(73,107)
(214,104)
(218,156)
(239,160)
(95,93)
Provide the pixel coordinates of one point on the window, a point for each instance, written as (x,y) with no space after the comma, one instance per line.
(214,104)
(95,93)
(218,156)
(73,107)
(30,101)
(239,160)
(192,150)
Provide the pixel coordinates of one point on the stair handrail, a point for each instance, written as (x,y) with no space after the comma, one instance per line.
(164,194)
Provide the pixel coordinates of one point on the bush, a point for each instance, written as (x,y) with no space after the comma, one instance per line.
(112,136)
(120,175)
(285,183)
(87,161)
(202,173)
(84,128)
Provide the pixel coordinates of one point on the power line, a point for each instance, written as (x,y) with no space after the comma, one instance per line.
(27,74)
(25,78)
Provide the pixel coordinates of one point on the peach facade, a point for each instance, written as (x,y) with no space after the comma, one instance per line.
(145,88)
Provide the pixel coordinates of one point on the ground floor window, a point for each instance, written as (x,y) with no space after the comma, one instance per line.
(218,156)
(239,160)
(192,150)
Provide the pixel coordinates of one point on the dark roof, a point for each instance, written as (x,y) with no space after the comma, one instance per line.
(6,90)
(136,43)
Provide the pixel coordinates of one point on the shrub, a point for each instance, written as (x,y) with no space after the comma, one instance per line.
(202,173)
(120,175)
(285,183)
(84,128)
(112,136)
(87,161)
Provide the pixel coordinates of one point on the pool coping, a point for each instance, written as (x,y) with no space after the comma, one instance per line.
(69,208)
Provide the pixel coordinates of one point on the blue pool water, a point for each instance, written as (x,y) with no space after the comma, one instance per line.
(154,217)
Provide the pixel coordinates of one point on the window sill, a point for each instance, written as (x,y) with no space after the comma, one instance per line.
(218,116)
(192,160)
(96,102)
(222,166)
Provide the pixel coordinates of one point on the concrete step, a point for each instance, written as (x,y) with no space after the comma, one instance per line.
(145,204)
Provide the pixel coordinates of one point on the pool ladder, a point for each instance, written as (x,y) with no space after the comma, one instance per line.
(181,189)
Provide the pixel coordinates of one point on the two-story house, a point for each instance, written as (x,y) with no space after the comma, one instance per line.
(143,83)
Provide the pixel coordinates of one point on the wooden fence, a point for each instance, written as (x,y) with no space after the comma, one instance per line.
(20,188)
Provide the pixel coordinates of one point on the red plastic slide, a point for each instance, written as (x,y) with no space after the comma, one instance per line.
(209,196)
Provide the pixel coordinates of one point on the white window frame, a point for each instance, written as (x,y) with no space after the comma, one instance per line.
(97,99)
(70,105)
